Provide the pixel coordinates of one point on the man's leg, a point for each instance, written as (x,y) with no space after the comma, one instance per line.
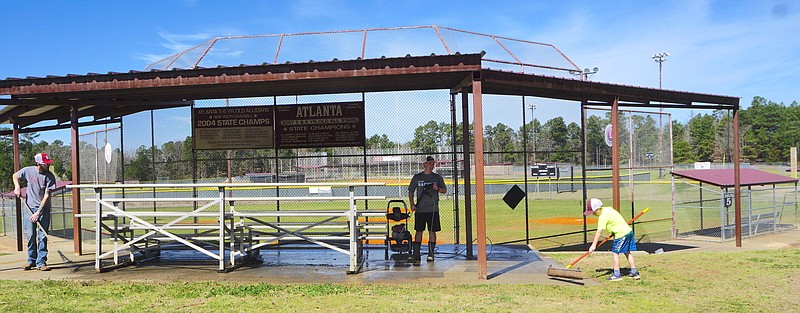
(29,229)
(416,246)
(616,275)
(418,236)
(634,271)
(434,226)
(44,222)
(421,222)
(431,245)
(630,259)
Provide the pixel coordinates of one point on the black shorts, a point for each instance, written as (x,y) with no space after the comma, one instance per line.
(429,219)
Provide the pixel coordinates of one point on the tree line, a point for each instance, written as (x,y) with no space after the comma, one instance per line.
(768,130)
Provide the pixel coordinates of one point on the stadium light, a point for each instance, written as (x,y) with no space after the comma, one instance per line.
(660,58)
(586,73)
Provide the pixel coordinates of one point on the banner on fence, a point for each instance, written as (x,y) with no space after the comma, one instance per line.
(320,125)
(224,128)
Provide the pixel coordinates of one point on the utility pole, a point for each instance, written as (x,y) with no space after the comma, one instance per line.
(660,58)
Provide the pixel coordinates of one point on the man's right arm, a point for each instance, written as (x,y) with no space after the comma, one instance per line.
(412,186)
(15,179)
(594,241)
(411,203)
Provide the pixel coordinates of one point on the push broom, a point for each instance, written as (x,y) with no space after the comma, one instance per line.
(577,273)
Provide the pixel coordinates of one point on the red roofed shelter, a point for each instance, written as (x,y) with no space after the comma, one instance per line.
(702,204)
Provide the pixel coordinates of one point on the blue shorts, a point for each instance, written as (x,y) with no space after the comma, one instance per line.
(625,244)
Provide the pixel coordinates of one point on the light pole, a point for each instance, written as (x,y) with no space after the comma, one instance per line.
(660,58)
(532,106)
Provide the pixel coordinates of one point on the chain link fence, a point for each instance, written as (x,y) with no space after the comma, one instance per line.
(60,214)
(524,146)
(402,128)
(707,212)
(100,156)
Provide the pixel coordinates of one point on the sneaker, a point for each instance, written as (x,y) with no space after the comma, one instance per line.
(430,258)
(614,278)
(43,268)
(29,267)
(634,276)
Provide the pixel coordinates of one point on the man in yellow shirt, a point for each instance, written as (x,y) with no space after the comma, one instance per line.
(624,240)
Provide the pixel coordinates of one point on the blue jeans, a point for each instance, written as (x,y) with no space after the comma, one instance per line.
(37,238)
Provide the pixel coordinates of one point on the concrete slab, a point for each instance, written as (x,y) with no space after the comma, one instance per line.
(507,264)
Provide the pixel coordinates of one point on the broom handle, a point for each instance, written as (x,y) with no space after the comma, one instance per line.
(607,238)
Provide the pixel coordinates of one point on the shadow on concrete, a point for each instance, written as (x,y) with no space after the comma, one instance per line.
(649,247)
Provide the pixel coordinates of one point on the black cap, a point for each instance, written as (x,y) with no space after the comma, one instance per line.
(429,158)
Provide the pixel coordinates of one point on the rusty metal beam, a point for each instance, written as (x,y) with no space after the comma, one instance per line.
(467,169)
(76,180)
(18,203)
(243,74)
(225,86)
(737,178)
(480,192)
(507,83)
(463,86)
(615,154)
(60,126)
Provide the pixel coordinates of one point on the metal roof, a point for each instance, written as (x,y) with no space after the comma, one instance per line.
(118,94)
(724,177)
(114,95)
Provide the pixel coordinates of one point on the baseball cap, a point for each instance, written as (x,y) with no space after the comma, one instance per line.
(42,158)
(592,205)
(429,158)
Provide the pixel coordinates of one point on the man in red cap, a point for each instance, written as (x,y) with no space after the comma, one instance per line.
(40,182)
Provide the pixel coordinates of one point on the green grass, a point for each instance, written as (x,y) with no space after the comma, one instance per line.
(737,281)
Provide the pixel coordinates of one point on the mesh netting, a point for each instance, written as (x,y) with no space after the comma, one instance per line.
(100,156)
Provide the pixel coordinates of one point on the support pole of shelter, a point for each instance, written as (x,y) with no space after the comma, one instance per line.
(584,103)
(615,152)
(467,171)
(17,200)
(454,157)
(793,161)
(479,189)
(76,180)
(737,178)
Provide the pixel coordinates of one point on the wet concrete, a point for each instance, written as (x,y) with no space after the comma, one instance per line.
(507,264)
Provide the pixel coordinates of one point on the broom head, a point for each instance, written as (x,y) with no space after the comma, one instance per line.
(565,273)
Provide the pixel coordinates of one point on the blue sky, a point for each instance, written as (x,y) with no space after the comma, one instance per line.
(736,48)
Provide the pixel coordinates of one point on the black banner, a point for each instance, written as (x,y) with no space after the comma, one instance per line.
(221,128)
(320,125)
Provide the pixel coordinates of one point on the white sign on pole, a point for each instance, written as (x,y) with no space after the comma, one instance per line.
(702,165)
(608,135)
(108,152)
